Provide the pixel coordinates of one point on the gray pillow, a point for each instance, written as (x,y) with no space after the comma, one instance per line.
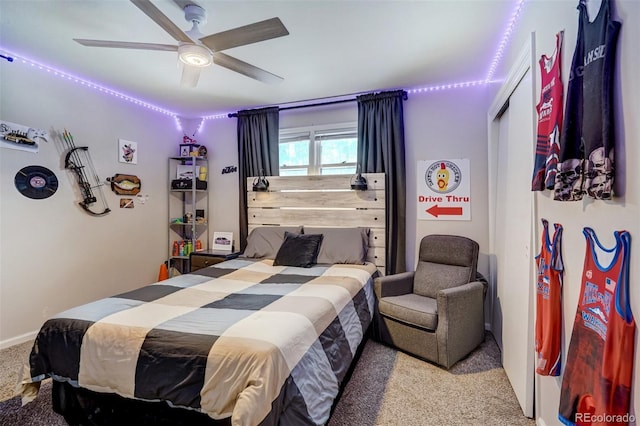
(342,245)
(299,250)
(265,241)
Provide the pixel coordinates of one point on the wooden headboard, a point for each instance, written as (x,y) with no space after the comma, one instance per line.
(322,201)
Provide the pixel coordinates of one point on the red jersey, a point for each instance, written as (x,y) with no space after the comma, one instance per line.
(549,303)
(549,120)
(596,386)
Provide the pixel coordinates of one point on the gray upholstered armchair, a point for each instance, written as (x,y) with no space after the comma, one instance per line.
(436,312)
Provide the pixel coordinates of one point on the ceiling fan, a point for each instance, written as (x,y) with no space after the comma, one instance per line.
(197,51)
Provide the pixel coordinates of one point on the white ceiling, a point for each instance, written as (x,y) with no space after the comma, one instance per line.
(333,48)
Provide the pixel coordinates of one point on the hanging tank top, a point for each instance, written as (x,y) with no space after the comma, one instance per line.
(549,110)
(596,386)
(549,303)
(586,163)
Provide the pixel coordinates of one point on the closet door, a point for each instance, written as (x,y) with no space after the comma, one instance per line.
(512,136)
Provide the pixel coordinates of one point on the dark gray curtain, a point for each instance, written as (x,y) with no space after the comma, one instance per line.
(381,150)
(257,151)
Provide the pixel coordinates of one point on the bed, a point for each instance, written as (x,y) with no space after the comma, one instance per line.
(267,338)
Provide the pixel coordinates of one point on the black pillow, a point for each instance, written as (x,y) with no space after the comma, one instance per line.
(299,250)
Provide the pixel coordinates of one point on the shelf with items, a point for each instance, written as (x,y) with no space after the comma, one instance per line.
(188,207)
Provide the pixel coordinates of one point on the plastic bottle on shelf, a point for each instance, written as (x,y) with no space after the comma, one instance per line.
(198,245)
(189,248)
(181,251)
(175,251)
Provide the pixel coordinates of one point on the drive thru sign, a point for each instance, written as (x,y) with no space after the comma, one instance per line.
(444,190)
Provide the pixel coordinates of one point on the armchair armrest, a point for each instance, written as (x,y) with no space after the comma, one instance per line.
(460,321)
(393,285)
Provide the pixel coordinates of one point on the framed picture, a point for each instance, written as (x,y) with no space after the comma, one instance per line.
(223,241)
(186,172)
(185,149)
(127,151)
(126,203)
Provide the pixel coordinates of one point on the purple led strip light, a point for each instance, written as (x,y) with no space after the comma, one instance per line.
(494,64)
(86,83)
(506,36)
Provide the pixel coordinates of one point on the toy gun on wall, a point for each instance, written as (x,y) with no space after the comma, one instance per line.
(79,161)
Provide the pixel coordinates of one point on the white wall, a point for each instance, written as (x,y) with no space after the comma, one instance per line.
(53,254)
(448,124)
(219,136)
(545,18)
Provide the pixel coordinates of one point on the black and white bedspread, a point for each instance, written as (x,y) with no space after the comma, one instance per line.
(222,340)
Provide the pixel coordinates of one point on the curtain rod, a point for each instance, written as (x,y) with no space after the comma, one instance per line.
(235,114)
(339,101)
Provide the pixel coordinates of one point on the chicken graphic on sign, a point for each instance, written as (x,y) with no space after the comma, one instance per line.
(442,177)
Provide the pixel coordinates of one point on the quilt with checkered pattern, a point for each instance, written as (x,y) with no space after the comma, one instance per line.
(225,340)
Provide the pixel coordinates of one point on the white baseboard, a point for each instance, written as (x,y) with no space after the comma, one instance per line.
(540,422)
(18,339)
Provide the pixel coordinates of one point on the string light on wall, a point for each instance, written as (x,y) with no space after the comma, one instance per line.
(86,83)
(199,129)
(216,116)
(449,86)
(176,119)
(505,39)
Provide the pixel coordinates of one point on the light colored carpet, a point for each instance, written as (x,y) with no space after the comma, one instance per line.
(387,387)
(11,360)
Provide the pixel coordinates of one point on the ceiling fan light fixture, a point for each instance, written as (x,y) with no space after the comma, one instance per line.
(195,55)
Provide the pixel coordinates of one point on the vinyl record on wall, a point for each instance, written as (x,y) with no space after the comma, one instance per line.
(36,182)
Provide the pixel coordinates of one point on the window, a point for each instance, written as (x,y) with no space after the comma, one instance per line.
(319,150)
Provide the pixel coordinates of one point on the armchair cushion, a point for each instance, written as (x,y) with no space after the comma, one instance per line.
(411,309)
(445,261)
(430,278)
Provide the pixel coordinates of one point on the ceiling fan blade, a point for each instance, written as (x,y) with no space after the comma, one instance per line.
(161,19)
(252,33)
(190,76)
(125,44)
(244,68)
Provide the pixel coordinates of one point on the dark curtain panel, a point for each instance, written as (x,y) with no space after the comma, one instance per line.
(257,151)
(381,150)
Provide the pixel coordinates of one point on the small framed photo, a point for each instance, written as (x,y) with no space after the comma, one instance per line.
(223,241)
(127,151)
(126,203)
(185,172)
(185,149)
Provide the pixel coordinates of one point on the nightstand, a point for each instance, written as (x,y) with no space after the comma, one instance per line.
(204,258)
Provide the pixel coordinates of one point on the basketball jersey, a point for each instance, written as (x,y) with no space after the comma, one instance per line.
(596,386)
(549,303)
(586,163)
(549,120)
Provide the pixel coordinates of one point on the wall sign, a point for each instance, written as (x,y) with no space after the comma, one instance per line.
(444,190)
(23,138)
